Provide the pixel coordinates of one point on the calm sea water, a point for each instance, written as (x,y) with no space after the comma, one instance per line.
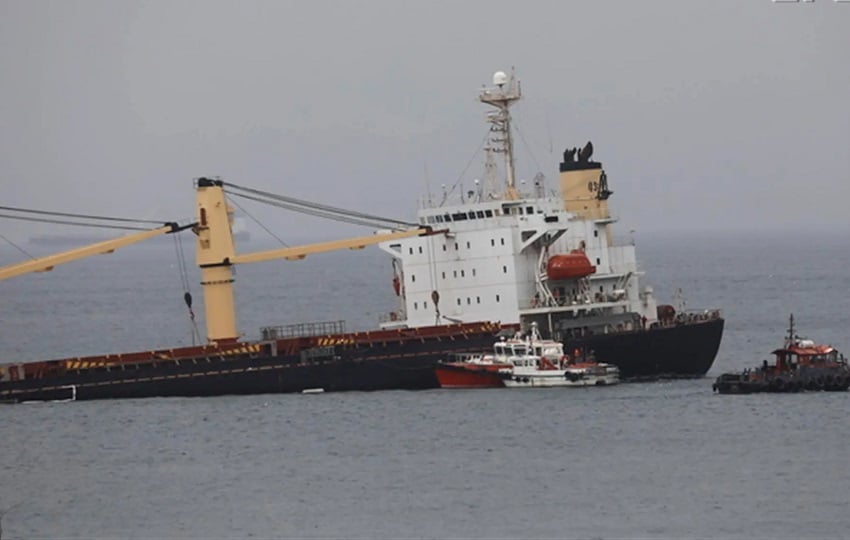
(649,460)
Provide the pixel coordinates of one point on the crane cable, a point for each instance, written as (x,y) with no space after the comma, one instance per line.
(184,281)
(257,221)
(16,246)
(317,209)
(81,216)
(76,223)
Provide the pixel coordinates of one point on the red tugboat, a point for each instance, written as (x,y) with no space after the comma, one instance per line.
(800,365)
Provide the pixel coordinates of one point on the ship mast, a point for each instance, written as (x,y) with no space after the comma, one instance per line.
(506,92)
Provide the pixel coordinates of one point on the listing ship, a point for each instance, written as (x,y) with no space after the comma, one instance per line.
(527,255)
(498,254)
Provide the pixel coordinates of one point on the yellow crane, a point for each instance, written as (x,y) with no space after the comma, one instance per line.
(216,255)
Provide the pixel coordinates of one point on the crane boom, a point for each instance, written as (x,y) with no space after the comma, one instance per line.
(299,252)
(45,264)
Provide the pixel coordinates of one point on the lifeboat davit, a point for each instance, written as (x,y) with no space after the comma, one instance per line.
(572,265)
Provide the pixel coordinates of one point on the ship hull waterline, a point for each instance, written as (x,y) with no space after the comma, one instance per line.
(685,351)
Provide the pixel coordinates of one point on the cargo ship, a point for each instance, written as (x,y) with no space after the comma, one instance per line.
(501,255)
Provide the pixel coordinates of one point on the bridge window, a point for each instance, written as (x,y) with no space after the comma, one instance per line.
(488,213)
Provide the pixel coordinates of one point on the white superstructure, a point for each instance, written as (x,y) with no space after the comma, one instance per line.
(499,240)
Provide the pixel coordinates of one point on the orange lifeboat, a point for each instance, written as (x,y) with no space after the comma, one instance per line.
(572,265)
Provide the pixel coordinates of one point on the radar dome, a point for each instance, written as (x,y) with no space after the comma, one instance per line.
(500,78)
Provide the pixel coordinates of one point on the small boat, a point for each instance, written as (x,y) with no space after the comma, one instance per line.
(800,365)
(526,361)
(471,371)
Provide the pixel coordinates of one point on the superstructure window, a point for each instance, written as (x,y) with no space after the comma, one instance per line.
(529,210)
(413,278)
(492,242)
(480,214)
(503,241)
(462,273)
(411,251)
(477,299)
(497,298)
(473,272)
(595,233)
(504,269)
(456,246)
(488,213)
(420,250)
(468,246)
(444,275)
(598,262)
(415,305)
(458,301)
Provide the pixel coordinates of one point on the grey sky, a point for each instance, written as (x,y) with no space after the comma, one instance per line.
(710,115)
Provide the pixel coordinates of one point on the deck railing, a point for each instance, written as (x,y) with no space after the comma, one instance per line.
(321,328)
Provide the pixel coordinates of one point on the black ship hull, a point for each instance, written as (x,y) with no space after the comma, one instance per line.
(329,364)
(686,350)
(677,351)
